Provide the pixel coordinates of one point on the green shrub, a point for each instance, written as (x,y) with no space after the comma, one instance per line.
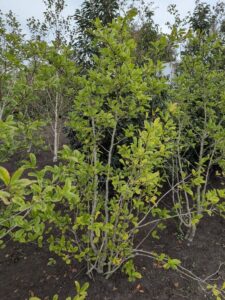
(91,206)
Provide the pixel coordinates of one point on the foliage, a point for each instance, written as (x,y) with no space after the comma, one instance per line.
(20,136)
(133,131)
(55,85)
(10,59)
(218,293)
(105,11)
(81,293)
(55,26)
(207,19)
(105,196)
(18,129)
(151,43)
(53,71)
(198,97)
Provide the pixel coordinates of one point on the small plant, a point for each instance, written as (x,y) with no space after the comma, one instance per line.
(218,293)
(80,290)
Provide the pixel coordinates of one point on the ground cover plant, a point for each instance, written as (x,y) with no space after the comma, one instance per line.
(142,152)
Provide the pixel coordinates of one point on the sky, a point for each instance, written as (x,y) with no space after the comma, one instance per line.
(27,8)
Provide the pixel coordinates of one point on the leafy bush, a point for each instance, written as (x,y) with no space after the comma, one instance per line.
(198,96)
(93,205)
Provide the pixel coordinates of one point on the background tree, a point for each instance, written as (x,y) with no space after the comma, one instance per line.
(198,95)
(54,70)
(105,11)
(207,19)
(11,61)
(146,32)
(56,86)
(15,91)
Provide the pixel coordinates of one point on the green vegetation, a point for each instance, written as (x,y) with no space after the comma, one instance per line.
(135,133)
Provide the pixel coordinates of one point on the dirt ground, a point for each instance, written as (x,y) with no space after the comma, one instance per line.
(24,269)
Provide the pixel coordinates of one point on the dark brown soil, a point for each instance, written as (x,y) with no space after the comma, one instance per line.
(24,269)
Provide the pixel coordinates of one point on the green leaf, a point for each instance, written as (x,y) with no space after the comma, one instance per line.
(172,264)
(4,176)
(84,287)
(132,13)
(212,196)
(16,175)
(25,182)
(4,197)
(33,159)
(137,275)
(51,261)
(77,286)
(155,234)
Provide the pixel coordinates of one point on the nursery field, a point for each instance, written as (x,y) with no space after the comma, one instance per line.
(112,153)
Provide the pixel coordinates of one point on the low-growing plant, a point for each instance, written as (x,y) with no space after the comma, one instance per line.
(80,290)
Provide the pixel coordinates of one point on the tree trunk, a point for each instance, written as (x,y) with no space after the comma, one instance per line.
(191,233)
(2,111)
(56,129)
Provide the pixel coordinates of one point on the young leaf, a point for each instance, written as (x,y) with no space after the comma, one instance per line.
(16,175)
(4,176)
(4,197)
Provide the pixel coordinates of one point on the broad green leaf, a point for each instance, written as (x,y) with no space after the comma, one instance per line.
(77,286)
(84,287)
(25,182)
(4,176)
(16,175)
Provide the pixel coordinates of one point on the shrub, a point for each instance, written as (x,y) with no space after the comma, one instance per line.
(198,95)
(92,206)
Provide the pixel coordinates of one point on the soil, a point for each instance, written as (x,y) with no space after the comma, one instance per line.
(24,269)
